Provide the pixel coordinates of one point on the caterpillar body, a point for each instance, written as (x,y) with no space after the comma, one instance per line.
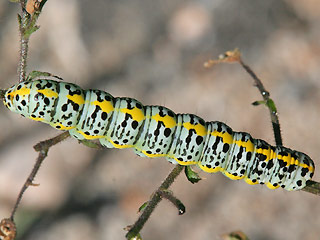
(156,131)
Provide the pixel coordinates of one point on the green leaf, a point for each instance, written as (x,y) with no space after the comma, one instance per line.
(90,144)
(37,74)
(30,30)
(236,235)
(257,103)
(271,105)
(192,176)
(142,207)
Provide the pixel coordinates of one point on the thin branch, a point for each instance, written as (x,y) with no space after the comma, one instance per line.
(312,187)
(153,202)
(24,42)
(165,193)
(235,56)
(2,93)
(269,102)
(27,26)
(43,148)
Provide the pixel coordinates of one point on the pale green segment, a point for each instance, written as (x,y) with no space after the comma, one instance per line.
(96,115)
(157,133)
(43,104)
(128,117)
(190,137)
(68,107)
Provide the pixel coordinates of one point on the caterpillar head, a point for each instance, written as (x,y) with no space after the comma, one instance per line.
(16,98)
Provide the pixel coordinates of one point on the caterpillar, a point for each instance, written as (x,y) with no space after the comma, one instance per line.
(156,131)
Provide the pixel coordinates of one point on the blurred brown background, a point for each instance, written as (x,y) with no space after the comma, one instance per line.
(154,51)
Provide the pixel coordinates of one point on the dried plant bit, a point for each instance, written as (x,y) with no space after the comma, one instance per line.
(8,229)
(236,235)
(156,131)
(33,6)
(227,57)
(34,184)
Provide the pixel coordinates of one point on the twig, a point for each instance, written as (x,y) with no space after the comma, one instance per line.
(165,193)
(235,56)
(43,148)
(268,101)
(152,203)
(2,93)
(27,26)
(24,42)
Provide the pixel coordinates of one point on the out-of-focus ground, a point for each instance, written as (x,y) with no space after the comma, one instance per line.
(154,51)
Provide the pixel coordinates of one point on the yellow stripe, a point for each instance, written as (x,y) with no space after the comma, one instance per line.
(48,93)
(119,146)
(62,127)
(21,91)
(105,105)
(226,137)
(249,146)
(249,181)
(76,99)
(270,186)
(136,113)
(90,137)
(37,119)
(229,175)
(168,121)
(153,155)
(184,163)
(200,129)
(209,170)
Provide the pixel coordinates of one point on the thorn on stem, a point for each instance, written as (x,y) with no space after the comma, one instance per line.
(33,184)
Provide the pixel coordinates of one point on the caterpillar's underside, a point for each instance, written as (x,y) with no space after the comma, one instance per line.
(156,131)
